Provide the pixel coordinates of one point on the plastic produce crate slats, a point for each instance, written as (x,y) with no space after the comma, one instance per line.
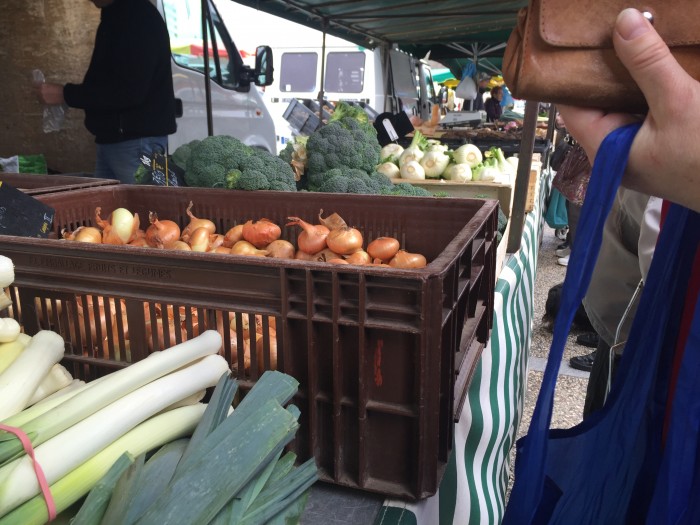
(383,356)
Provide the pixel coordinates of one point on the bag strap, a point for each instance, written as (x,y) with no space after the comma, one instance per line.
(609,166)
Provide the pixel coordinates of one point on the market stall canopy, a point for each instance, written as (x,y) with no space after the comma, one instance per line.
(451,31)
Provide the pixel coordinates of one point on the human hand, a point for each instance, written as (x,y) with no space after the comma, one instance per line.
(51,94)
(664,159)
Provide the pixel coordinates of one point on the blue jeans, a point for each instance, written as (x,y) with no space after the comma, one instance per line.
(120,160)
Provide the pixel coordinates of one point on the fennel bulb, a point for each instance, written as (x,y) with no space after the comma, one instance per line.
(412,153)
(412,170)
(434,163)
(458,172)
(468,154)
(391,153)
(389,169)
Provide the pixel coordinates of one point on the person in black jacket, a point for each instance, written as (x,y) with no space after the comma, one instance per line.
(127,92)
(493,105)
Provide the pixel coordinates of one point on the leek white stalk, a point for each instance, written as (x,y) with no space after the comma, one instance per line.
(9,329)
(19,381)
(57,378)
(66,451)
(10,351)
(150,434)
(5,301)
(100,393)
(7,271)
(45,404)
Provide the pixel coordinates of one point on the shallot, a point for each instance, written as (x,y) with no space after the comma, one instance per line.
(119,228)
(312,239)
(195,223)
(342,239)
(261,233)
(161,232)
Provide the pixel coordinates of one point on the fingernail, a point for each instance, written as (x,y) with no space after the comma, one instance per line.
(631,24)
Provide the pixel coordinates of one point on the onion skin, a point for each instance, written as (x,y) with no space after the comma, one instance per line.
(404,259)
(139,242)
(303,256)
(344,241)
(196,223)
(261,233)
(233,235)
(84,234)
(161,233)
(179,245)
(359,257)
(326,255)
(246,248)
(338,261)
(221,249)
(383,248)
(120,233)
(199,240)
(281,249)
(312,239)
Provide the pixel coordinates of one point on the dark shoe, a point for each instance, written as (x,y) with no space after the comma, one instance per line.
(583,362)
(589,339)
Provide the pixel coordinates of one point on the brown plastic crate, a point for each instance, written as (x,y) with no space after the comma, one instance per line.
(383,356)
(38,184)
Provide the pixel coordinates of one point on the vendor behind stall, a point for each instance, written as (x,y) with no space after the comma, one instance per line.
(127,92)
(493,105)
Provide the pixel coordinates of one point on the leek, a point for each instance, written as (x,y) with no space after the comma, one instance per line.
(64,452)
(69,489)
(19,381)
(7,271)
(45,404)
(10,351)
(100,393)
(57,378)
(9,329)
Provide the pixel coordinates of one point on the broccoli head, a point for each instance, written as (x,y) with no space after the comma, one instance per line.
(223,161)
(343,143)
(404,189)
(182,154)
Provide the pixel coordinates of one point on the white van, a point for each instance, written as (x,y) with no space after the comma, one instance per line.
(387,81)
(238,108)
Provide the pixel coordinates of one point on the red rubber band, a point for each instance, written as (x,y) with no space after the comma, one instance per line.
(41,478)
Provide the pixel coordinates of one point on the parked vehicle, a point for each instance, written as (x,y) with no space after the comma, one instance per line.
(238,108)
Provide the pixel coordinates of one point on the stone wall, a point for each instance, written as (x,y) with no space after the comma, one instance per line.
(56,37)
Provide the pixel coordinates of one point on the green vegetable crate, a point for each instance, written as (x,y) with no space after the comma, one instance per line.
(383,356)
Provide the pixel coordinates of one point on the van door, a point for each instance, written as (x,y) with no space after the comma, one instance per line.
(404,75)
(238,108)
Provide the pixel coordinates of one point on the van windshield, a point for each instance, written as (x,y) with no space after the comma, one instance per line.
(184,21)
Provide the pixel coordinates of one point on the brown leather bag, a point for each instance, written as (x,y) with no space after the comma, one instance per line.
(561,50)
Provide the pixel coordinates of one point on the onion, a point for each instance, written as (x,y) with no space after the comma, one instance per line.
(312,239)
(199,240)
(161,233)
(281,249)
(140,242)
(84,234)
(179,245)
(359,257)
(234,235)
(196,223)
(383,248)
(221,249)
(303,256)
(119,228)
(246,248)
(342,239)
(216,240)
(261,233)
(338,261)
(325,255)
(404,259)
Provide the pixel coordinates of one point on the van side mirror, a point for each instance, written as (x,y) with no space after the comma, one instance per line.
(263,66)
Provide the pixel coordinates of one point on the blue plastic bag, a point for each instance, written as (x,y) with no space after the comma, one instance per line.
(612,468)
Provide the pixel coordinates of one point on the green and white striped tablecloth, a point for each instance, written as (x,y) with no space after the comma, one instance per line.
(474,486)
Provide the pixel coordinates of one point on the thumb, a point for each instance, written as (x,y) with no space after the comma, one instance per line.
(647,57)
